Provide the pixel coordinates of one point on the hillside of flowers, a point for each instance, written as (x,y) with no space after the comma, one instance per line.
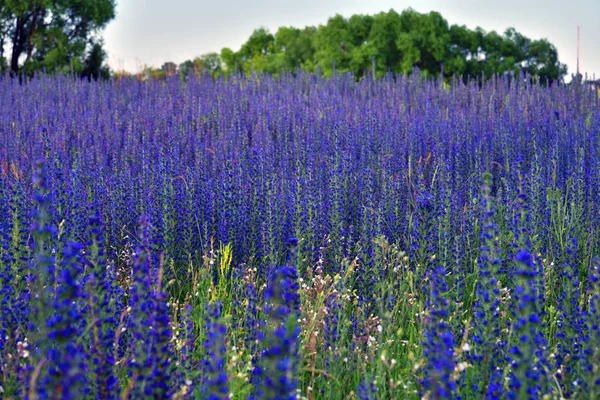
(299,238)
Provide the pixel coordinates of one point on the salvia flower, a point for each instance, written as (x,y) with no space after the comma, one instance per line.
(276,373)
(487,319)
(65,377)
(528,348)
(366,390)
(150,366)
(438,347)
(215,381)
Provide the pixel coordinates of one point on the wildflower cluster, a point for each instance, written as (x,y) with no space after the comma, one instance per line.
(442,238)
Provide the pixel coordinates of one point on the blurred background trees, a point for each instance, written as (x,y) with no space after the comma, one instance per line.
(387,42)
(62,36)
(54,36)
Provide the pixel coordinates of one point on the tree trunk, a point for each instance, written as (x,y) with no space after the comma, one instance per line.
(21,41)
(2,53)
(18,46)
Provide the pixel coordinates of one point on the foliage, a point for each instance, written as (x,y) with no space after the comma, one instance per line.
(390,42)
(54,36)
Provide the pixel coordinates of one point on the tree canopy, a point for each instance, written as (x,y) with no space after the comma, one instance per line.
(388,42)
(53,36)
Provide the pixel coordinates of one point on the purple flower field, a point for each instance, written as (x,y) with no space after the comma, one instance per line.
(299,238)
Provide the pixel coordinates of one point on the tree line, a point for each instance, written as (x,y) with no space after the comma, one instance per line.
(62,36)
(374,45)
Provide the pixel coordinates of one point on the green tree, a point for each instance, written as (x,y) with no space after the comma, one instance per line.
(424,41)
(260,42)
(461,46)
(464,52)
(231,60)
(363,50)
(185,69)
(210,63)
(293,48)
(51,35)
(169,68)
(542,61)
(333,45)
(385,30)
(254,53)
(93,66)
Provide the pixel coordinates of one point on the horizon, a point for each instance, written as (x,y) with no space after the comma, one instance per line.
(133,42)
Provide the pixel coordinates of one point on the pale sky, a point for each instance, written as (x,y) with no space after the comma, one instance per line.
(151,32)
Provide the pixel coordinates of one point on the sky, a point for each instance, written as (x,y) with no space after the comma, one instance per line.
(151,32)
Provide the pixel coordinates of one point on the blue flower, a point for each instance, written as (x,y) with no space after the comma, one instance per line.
(215,383)
(276,372)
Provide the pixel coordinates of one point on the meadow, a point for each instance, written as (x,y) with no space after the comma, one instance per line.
(299,238)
